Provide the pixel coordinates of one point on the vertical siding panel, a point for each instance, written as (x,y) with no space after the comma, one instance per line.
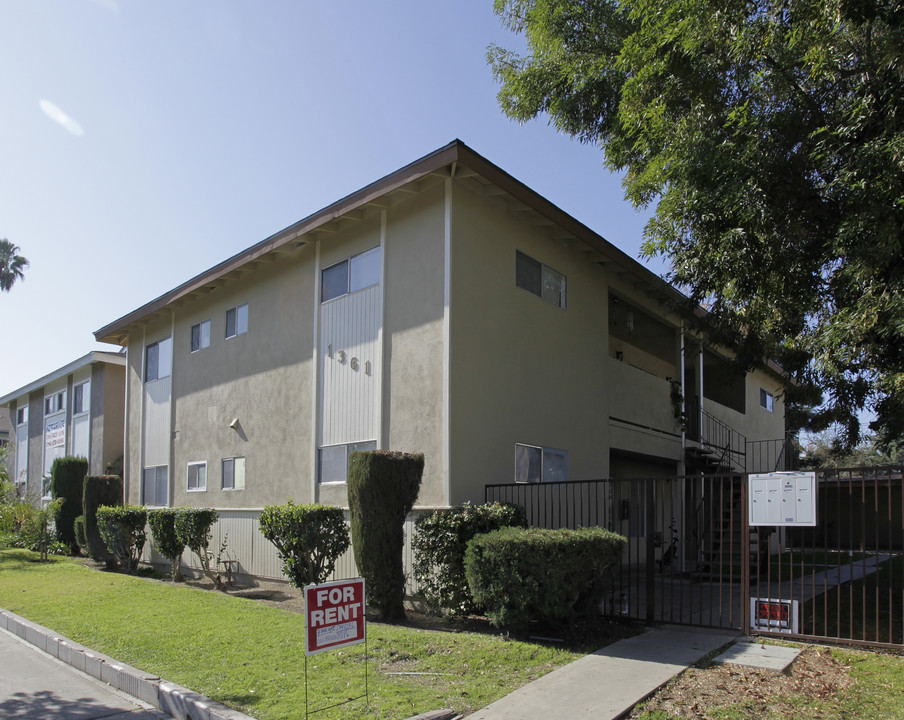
(157,400)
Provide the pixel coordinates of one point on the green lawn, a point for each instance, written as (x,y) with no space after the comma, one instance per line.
(251,657)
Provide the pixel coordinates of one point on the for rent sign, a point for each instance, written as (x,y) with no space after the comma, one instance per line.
(334,615)
(776,615)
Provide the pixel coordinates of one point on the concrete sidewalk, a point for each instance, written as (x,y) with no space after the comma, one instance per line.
(609,682)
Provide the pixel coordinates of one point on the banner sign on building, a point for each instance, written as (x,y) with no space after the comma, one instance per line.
(334,615)
(773,615)
(54,434)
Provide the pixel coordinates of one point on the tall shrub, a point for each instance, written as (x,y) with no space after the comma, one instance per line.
(439,544)
(67,480)
(382,488)
(99,490)
(166,541)
(193,529)
(308,538)
(122,529)
(521,576)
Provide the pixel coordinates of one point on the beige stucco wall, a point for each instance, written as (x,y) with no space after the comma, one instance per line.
(522,369)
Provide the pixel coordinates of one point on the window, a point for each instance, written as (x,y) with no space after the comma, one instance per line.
(234,473)
(200,335)
(535,464)
(334,460)
(766,400)
(55,403)
(197,477)
(22,415)
(158,360)
(156,481)
(537,278)
(237,320)
(356,273)
(79,393)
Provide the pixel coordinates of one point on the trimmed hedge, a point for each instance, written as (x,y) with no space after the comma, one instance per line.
(122,528)
(167,543)
(192,527)
(80,537)
(439,544)
(99,490)
(382,488)
(308,538)
(67,480)
(550,576)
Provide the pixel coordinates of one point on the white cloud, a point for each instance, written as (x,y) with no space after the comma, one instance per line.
(58,116)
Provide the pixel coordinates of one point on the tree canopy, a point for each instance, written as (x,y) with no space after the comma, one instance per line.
(769,135)
(12,265)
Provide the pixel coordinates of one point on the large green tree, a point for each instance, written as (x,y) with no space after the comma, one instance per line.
(12,265)
(770,138)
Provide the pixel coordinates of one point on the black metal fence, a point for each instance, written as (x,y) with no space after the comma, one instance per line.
(692,557)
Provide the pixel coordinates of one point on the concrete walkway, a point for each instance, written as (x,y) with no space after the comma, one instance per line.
(609,682)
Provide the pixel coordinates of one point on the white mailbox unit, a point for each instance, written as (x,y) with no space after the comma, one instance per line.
(782,499)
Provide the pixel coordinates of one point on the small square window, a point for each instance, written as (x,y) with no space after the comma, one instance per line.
(200,336)
(334,281)
(233,473)
(540,279)
(237,320)
(197,477)
(356,273)
(535,464)
(766,400)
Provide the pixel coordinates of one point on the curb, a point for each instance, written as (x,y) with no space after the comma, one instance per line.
(179,702)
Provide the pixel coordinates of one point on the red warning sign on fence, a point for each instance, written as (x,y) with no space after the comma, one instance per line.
(334,615)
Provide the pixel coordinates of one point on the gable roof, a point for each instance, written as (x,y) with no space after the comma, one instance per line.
(96,356)
(453,160)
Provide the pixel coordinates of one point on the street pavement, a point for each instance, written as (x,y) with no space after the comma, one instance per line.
(36,686)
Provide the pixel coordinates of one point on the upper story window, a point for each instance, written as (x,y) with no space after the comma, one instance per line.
(196,477)
(534,464)
(539,279)
(80,398)
(158,360)
(356,273)
(22,415)
(200,334)
(237,320)
(766,400)
(55,403)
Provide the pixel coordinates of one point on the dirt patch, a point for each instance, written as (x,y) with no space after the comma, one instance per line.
(699,692)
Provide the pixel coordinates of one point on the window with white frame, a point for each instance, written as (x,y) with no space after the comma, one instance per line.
(233,473)
(540,279)
(766,400)
(158,360)
(200,335)
(22,415)
(55,403)
(535,464)
(80,395)
(355,273)
(333,460)
(155,485)
(196,477)
(237,320)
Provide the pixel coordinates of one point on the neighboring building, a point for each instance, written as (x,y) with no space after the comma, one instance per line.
(76,410)
(4,427)
(446,309)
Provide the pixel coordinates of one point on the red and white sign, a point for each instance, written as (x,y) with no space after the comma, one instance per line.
(334,615)
(776,615)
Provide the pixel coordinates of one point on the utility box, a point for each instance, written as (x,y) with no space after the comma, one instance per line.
(782,499)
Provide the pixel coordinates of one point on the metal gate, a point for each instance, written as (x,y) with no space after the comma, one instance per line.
(684,557)
(842,580)
(692,558)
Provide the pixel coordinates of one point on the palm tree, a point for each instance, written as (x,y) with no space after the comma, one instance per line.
(12,265)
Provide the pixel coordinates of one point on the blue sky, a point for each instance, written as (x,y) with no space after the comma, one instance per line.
(143,142)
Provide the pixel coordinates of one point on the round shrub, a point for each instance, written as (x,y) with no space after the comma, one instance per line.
(122,528)
(308,538)
(521,576)
(439,544)
(166,541)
